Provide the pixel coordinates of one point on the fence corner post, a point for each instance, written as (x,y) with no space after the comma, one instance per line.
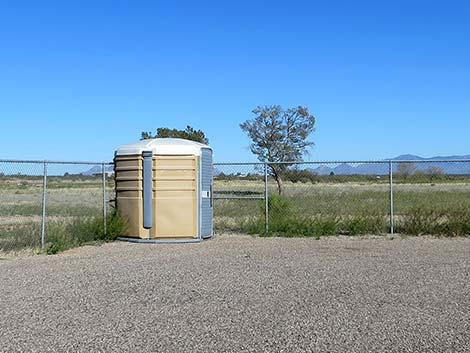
(103,170)
(390,167)
(43,219)
(266,198)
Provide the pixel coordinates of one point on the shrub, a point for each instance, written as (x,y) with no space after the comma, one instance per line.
(279,206)
(59,239)
(301,175)
(364,225)
(62,236)
(291,226)
(19,237)
(458,224)
(420,221)
(447,222)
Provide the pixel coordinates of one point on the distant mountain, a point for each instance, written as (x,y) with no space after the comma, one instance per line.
(96,169)
(364,168)
(382,168)
(407,157)
(412,157)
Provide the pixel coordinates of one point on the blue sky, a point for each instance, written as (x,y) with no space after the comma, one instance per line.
(383,78)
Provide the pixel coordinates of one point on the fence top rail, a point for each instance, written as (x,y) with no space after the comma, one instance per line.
(384,161)
(54,162)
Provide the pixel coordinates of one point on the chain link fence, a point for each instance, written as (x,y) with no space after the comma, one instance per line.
(350,197)
(43,202)
(40,202)
(239,195)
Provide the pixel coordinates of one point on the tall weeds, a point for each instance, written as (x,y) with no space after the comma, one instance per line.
(65,235)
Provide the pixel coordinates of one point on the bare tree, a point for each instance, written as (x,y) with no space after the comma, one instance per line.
(279,135)
(434,172)
(406,169)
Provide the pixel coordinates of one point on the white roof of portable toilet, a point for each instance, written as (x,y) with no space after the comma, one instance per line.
(166,146)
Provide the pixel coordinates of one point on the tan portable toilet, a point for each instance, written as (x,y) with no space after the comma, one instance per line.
(164,189)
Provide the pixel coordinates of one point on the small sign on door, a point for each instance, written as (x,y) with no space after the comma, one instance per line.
(206,194)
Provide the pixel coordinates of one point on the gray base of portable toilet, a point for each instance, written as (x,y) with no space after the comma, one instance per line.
(161,241)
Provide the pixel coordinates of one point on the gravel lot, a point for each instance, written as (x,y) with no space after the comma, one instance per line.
(238,293)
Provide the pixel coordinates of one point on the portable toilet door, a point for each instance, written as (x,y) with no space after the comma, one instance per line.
(175,196)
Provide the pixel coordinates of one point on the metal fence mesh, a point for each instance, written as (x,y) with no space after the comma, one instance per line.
(333,197)
(21,186)
(432,198)
(40,202)
(322,198)
(239,194)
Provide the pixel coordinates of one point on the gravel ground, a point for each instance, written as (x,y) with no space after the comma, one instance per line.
(238,293)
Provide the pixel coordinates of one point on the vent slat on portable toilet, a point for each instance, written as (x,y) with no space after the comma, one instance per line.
(164,189)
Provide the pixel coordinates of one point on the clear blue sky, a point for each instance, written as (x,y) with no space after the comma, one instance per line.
(383,78)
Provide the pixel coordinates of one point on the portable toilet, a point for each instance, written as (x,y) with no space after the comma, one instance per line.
(164,189)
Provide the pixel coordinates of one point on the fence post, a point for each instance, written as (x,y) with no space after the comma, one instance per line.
(43,220)
(266,198)
(390,167)
(103,170)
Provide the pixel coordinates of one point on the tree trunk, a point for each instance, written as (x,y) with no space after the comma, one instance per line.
(280,184)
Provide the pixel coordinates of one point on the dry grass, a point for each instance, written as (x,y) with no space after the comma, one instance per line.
(362,206)
(419,208)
